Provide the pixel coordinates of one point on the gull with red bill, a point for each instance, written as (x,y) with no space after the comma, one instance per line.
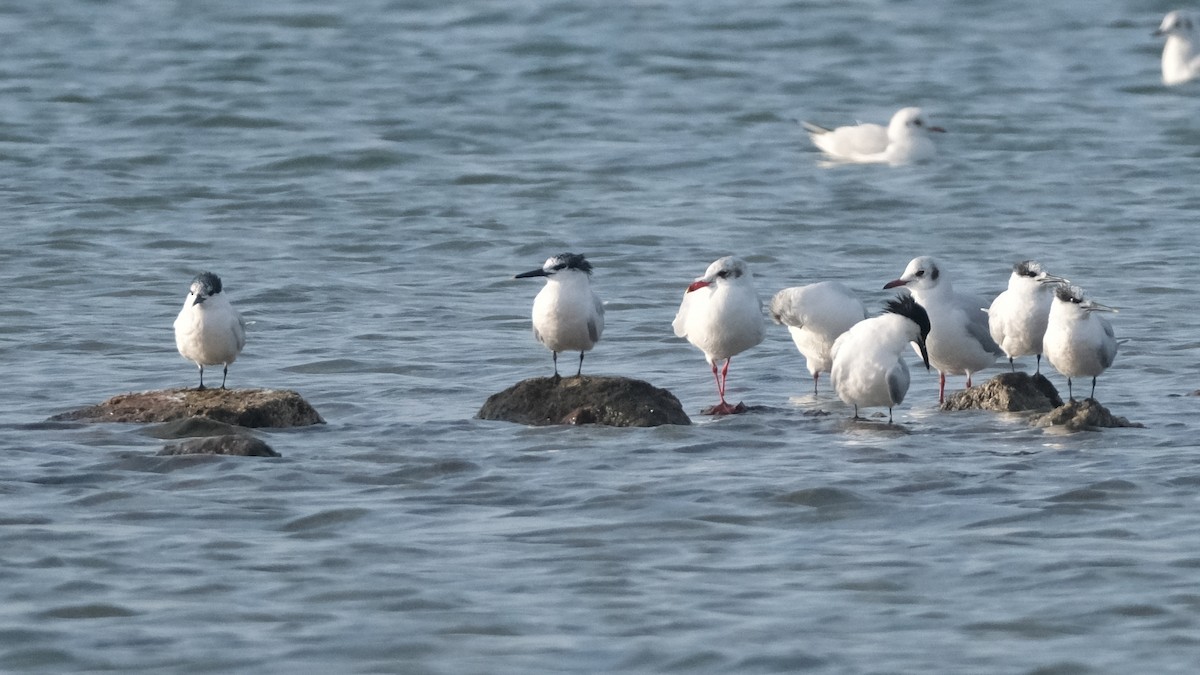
(959,341)
(721,315)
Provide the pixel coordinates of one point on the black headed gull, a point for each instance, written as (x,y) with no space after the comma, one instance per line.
(904,140)
(816,315)
(1017,317)
(208,330)
(722,316)
(1079,343)
(960,343)
(868,369)
(567,314)
(1180,62)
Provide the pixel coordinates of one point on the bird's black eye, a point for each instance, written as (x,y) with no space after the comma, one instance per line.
(724,274)
(920,273)
(918,122)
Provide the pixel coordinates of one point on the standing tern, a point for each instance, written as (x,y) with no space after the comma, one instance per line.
(1017,317)
(959,343)
(868,369)
(208,330)
(816,315)
(721,315)
(567,314)
(904,140)
(1180,62)
(1078,342)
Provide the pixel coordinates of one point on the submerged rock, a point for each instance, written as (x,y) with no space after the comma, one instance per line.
(240,445)
(1083,415)
(612,401)
(1007,392)
(242,407)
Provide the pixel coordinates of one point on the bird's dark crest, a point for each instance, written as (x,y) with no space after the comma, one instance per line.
(1028,268)
(1069,293)
(210,282)
(906,306)
(572,261)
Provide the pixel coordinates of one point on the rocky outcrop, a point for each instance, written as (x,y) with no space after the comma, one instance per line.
(240,445)
(1007,392)
(252,408)
(612,401)
(1085,415)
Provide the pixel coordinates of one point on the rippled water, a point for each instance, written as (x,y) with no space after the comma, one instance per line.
(367,176)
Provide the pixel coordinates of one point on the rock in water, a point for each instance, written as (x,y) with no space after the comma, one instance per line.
(1007,392)
(1083,415)
(235,444)
(242,407)
(613,401)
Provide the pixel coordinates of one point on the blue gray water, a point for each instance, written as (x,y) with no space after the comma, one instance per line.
(367,176)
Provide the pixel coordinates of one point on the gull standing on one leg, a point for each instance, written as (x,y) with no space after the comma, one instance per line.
(816,315)
(208,330)
(567,313)
(1078,342)
(868,366)
(721,315)
(1017,317)
(959,343)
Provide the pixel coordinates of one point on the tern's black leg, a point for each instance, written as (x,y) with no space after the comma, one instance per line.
(201,387)
(1039,366)
(224,375)
(1093,388)
(555,356)
(579,373)
(1070,393)
(1011,364)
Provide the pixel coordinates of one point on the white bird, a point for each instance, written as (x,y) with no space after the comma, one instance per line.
(868,369)
(567,313)
(816,315)
(208,330)
(1180,62)
(1078,343)
(960,343)
(904,140)
(721,315)
(1017,317)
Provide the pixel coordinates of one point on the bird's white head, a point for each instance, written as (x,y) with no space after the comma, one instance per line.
(727,270)
(1177,23)
(922,274)
(561,263)
(909,121)
(1032,271)
(204,286)
(1072,296)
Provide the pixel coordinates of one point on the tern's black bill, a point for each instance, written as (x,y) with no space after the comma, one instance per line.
(532,273)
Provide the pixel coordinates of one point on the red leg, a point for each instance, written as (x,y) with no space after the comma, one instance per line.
(968,379)
(941,387)
(722,408)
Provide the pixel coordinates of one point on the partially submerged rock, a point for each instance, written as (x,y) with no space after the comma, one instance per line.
(240,445)
(612,401)
(243,407)
(1083,415)
(1007,392)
